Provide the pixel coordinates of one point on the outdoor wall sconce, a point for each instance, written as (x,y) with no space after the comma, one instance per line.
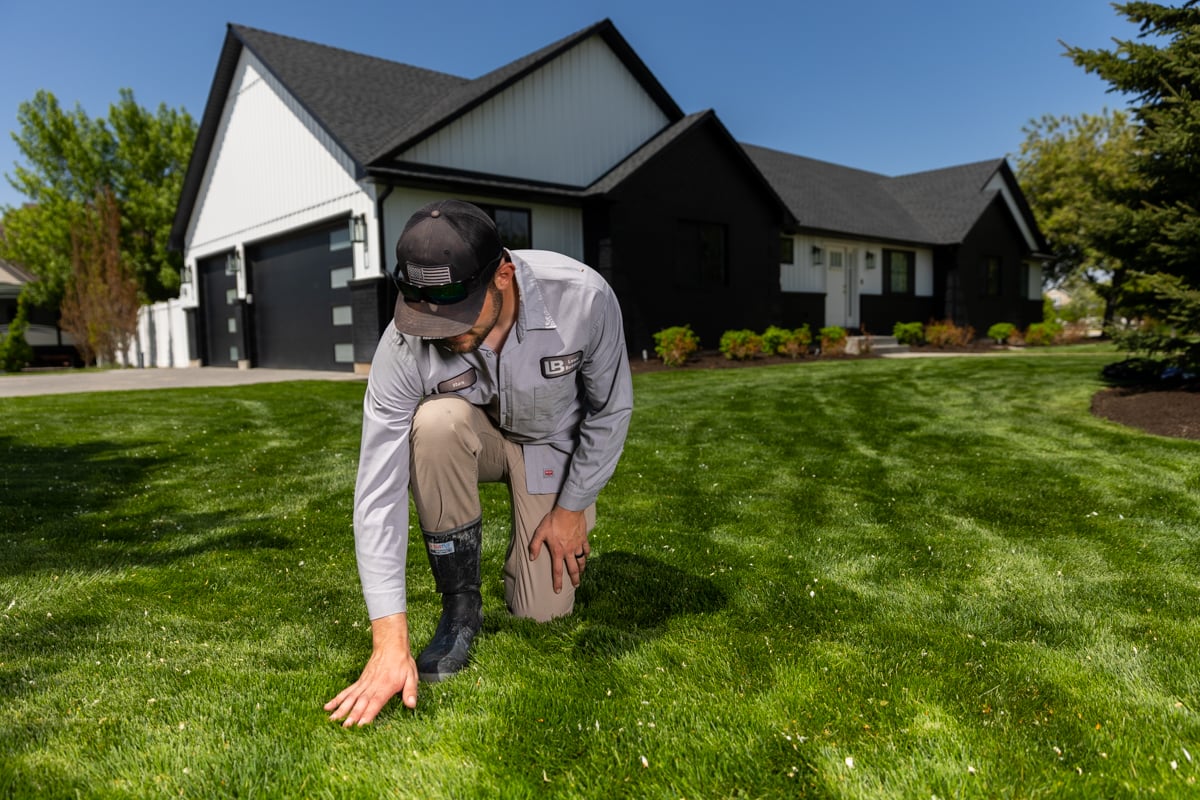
(817,256)
(869,258)
(358,229)
(186,275)
(233,263)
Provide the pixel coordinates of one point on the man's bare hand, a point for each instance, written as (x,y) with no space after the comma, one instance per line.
(565,535)
(390,671)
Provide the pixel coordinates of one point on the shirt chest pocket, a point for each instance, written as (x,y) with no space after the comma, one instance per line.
(548,403)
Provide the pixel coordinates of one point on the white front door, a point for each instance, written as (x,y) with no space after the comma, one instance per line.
(841,288)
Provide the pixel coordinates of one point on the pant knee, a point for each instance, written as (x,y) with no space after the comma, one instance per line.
(441,424)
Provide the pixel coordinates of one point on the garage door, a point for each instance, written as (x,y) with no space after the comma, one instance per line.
(301,300)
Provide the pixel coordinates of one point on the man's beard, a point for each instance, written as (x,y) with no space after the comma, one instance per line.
(470,341)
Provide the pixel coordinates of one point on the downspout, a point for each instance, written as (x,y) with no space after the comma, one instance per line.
(379,219)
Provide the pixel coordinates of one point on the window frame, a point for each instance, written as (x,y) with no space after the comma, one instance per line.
(910,274)
(510,243)
(992,276)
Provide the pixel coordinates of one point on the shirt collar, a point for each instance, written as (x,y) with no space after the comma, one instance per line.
(532,313)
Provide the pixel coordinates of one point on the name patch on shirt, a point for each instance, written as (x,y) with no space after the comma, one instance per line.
(557,366)
(458,382)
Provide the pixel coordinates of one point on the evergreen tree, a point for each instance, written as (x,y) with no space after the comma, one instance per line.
(1159,240)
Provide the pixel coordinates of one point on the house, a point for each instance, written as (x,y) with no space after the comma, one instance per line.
(869,251)
(309,160)
(51,346)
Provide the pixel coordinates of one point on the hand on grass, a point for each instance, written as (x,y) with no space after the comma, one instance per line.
(565,534)
(390,671)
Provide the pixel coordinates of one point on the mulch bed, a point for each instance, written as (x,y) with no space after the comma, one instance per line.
(1166,412)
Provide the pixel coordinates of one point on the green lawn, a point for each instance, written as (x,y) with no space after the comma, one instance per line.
(852,579)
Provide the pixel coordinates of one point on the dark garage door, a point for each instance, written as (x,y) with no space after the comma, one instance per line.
(301,300)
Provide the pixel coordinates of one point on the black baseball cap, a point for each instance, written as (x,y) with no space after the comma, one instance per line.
(445,258)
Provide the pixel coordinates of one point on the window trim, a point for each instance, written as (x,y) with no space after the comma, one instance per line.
(910,276)
(491,210)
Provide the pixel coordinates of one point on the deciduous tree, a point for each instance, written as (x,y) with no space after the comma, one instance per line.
(100,304)
(1075,172)
(138,156)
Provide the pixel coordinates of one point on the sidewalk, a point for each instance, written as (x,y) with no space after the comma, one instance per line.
(28,384)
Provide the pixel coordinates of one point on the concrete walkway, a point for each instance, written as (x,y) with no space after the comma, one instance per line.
(28,384)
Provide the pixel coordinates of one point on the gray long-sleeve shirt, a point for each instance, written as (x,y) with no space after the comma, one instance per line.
(561,389)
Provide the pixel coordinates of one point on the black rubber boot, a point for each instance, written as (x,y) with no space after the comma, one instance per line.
(454,559)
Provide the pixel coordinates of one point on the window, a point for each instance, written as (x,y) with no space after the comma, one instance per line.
(787,250)
(992,286)
(700,253)
(515,226)
(901,268)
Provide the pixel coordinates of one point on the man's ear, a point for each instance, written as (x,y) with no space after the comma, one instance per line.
(504,274)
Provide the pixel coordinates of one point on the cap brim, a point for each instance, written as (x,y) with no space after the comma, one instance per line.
(431,321)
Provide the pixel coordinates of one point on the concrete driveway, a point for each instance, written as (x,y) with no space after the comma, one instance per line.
(28,384)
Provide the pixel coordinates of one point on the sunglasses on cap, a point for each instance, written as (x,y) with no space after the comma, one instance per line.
(446,294)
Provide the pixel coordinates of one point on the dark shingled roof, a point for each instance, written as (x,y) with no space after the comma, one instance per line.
(935,207)
(947,201)
(836,199)
(360,100)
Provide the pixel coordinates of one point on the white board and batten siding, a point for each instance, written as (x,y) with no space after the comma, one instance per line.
(567,123)
(804,276)
(272,170)
(557,228)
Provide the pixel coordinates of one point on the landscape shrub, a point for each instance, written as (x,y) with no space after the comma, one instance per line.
(798,343)
(740,345)
(786,342)
(944,333)
(1041,334)
(773,339)
(833,340)
(910,333)
(674,345)
(1001,332)
(15,351)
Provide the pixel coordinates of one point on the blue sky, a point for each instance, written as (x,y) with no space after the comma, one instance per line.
(892,87)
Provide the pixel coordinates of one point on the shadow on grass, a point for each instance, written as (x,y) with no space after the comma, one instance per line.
(91,506)
(626,598)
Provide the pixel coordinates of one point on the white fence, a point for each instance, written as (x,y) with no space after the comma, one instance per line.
(162,339)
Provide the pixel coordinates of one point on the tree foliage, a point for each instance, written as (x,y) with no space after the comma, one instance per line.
(1073,170)
(137,156)
(100,304)
(1158,243)
(15,352)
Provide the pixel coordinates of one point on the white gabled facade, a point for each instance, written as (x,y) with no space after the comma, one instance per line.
(272,170)
(558,228)
(556,125)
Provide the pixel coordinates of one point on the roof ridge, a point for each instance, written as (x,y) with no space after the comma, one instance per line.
(333,48)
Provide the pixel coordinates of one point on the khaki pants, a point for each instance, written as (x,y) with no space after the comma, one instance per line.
(455,447)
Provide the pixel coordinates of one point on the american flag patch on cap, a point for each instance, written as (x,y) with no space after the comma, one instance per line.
(429,276)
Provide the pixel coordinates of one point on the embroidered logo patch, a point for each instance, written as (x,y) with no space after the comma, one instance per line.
(458,382)
(548,473)
(557,366)
(440,548)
